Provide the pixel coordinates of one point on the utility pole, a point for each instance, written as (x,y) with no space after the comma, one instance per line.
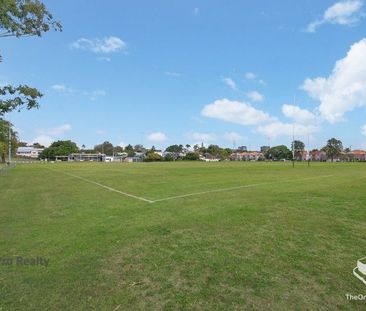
(308,150)
(9,144)
(293,145)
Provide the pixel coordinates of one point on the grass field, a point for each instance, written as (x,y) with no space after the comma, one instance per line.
(199,236)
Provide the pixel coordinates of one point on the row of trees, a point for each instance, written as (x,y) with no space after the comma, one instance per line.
(333,149)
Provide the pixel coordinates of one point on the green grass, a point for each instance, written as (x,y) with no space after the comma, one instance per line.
(277,245)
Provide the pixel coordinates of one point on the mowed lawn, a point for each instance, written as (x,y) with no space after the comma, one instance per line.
(247,236)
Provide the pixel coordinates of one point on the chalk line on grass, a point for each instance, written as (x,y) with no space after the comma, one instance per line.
(235,188)
(109,188)
(189,194)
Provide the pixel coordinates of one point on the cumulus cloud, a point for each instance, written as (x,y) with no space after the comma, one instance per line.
(345,88)
(255,96)
(61,88)
(104,59)
(277,128)
(363,128)
(93,95)
(235,112)
(341,13)
(106,45)
(201,137)
(44,140)
(250,75)
(230,83)
(47,136)
(299,115)
(157,137)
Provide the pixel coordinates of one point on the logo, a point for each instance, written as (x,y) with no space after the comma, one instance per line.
(360,271)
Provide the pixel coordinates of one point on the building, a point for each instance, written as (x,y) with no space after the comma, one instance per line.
(318,155)
(29,152)
(243,148)
(91,157)
(264,149)
(247,156)
(358,155)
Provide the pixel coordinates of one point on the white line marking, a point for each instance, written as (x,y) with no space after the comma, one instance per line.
(109,188)
(234,188)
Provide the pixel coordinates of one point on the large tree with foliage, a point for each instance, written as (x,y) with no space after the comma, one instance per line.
(152,156)
(59,148)
(19,18)
(174,148)
(105,147)
(278,153)
(333,148)
(298,147)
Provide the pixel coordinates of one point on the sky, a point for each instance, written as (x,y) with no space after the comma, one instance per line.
(162,72)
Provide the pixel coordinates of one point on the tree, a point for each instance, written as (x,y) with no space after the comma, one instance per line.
(4,139)
(278,153)
(59,148)
(37,145)
(22,144)
(333,148)
(20,18)
(105,148)
(298,147)
(174,148)
(129,150)
(152,156)
(192,156)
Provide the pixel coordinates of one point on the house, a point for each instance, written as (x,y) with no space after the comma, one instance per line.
(358,155)
(29,152)
(243,148)
(207,157)
(247,156)
(318,155)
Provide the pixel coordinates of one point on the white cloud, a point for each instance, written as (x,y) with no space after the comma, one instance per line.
(341,13)
(230,83)
(201,137)
(95,94)
(363,130)
(44,140)
(157,137)
(106,45)
(61,88)
(231,136)
(250,76)
(345,88)
(47,136)
(299,115)
(255,96)
(104,59)
(235,112)
(276,129)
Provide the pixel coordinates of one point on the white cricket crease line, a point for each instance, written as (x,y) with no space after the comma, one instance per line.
(235,188)
(109,188)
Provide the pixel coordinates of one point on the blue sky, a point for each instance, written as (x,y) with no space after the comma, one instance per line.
(163,72)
